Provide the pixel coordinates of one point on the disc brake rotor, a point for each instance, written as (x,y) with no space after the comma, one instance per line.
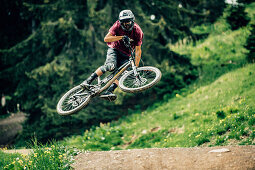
(140,81)
(75,101)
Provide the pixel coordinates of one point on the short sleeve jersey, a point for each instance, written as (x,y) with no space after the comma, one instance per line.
(136,34)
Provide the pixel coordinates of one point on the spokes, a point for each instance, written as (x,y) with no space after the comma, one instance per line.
(74,99)
(144,77)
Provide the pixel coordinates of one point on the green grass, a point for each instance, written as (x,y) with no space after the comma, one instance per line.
(218,54)
(52,156)
(221,113)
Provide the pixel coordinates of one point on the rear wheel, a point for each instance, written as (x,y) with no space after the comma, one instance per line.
(146,78)
(73,101)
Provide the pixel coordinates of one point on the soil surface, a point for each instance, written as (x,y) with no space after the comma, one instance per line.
(197,158)
(10,127)
(225,157)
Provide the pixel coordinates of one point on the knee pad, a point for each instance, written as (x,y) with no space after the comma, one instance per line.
(107,67)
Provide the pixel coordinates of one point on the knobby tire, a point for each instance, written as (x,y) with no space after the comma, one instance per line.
(66,105)
(129,83)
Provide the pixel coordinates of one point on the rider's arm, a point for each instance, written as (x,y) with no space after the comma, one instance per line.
(110,38)
(138,53)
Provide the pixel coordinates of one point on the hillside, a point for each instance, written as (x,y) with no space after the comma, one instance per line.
(221,113)
(217,109)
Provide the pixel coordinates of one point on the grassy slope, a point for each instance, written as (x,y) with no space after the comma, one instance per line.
(217,114)
(218,109)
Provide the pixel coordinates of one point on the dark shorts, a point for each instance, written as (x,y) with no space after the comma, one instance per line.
(114,60)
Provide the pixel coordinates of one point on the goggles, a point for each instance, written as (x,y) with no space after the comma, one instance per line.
(126,20)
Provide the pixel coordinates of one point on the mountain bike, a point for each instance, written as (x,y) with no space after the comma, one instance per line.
(132,79)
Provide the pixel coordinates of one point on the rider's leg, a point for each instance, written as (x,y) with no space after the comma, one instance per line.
(108,94)
(121,59)
(109,65)
(85,84)
(113,86)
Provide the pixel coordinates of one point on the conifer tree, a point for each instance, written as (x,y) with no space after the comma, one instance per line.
(245,1)
(237,16)
(250,45)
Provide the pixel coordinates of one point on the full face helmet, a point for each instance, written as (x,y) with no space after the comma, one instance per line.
(126,18)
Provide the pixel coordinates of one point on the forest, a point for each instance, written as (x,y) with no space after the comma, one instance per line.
(49,46)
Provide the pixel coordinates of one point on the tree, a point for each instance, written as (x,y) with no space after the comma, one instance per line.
(250,45)
(237,16)
(245,1)
(13,26)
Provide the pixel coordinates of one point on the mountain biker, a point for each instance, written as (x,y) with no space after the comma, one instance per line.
(123,30)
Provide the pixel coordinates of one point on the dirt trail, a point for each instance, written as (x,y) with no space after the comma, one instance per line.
(197,158)
(227,157)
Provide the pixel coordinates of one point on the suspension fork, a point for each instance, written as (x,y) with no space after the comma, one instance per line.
(132,61)
(134,68)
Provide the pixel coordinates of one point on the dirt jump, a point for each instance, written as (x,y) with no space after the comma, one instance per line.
(10,127)
(221,158)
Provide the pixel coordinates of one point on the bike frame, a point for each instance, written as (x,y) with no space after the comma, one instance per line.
(112,77)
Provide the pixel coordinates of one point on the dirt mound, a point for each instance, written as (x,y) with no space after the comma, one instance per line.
(10,127)
(227,157)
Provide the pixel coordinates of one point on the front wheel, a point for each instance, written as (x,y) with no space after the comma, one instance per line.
(73,101)
(146,78)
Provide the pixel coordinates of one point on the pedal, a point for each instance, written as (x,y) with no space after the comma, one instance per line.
(109,97)
(86,86)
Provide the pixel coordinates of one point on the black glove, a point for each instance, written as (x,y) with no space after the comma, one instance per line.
(125,39)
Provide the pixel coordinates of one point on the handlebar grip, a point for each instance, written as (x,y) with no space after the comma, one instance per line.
(126,40)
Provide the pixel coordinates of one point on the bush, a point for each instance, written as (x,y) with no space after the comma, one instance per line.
(237,17)
(221,114)
(102,138)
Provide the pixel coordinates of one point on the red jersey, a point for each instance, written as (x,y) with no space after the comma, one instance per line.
(136,34)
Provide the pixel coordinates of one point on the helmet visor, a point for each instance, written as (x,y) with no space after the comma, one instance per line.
(126,20)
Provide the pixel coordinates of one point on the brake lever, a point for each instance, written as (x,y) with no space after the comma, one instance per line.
(127,44)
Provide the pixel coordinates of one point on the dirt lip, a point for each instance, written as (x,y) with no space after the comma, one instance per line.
(224,157)
(10,127)
(21,151)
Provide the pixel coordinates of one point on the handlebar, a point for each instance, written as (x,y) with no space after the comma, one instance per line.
(127,44)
